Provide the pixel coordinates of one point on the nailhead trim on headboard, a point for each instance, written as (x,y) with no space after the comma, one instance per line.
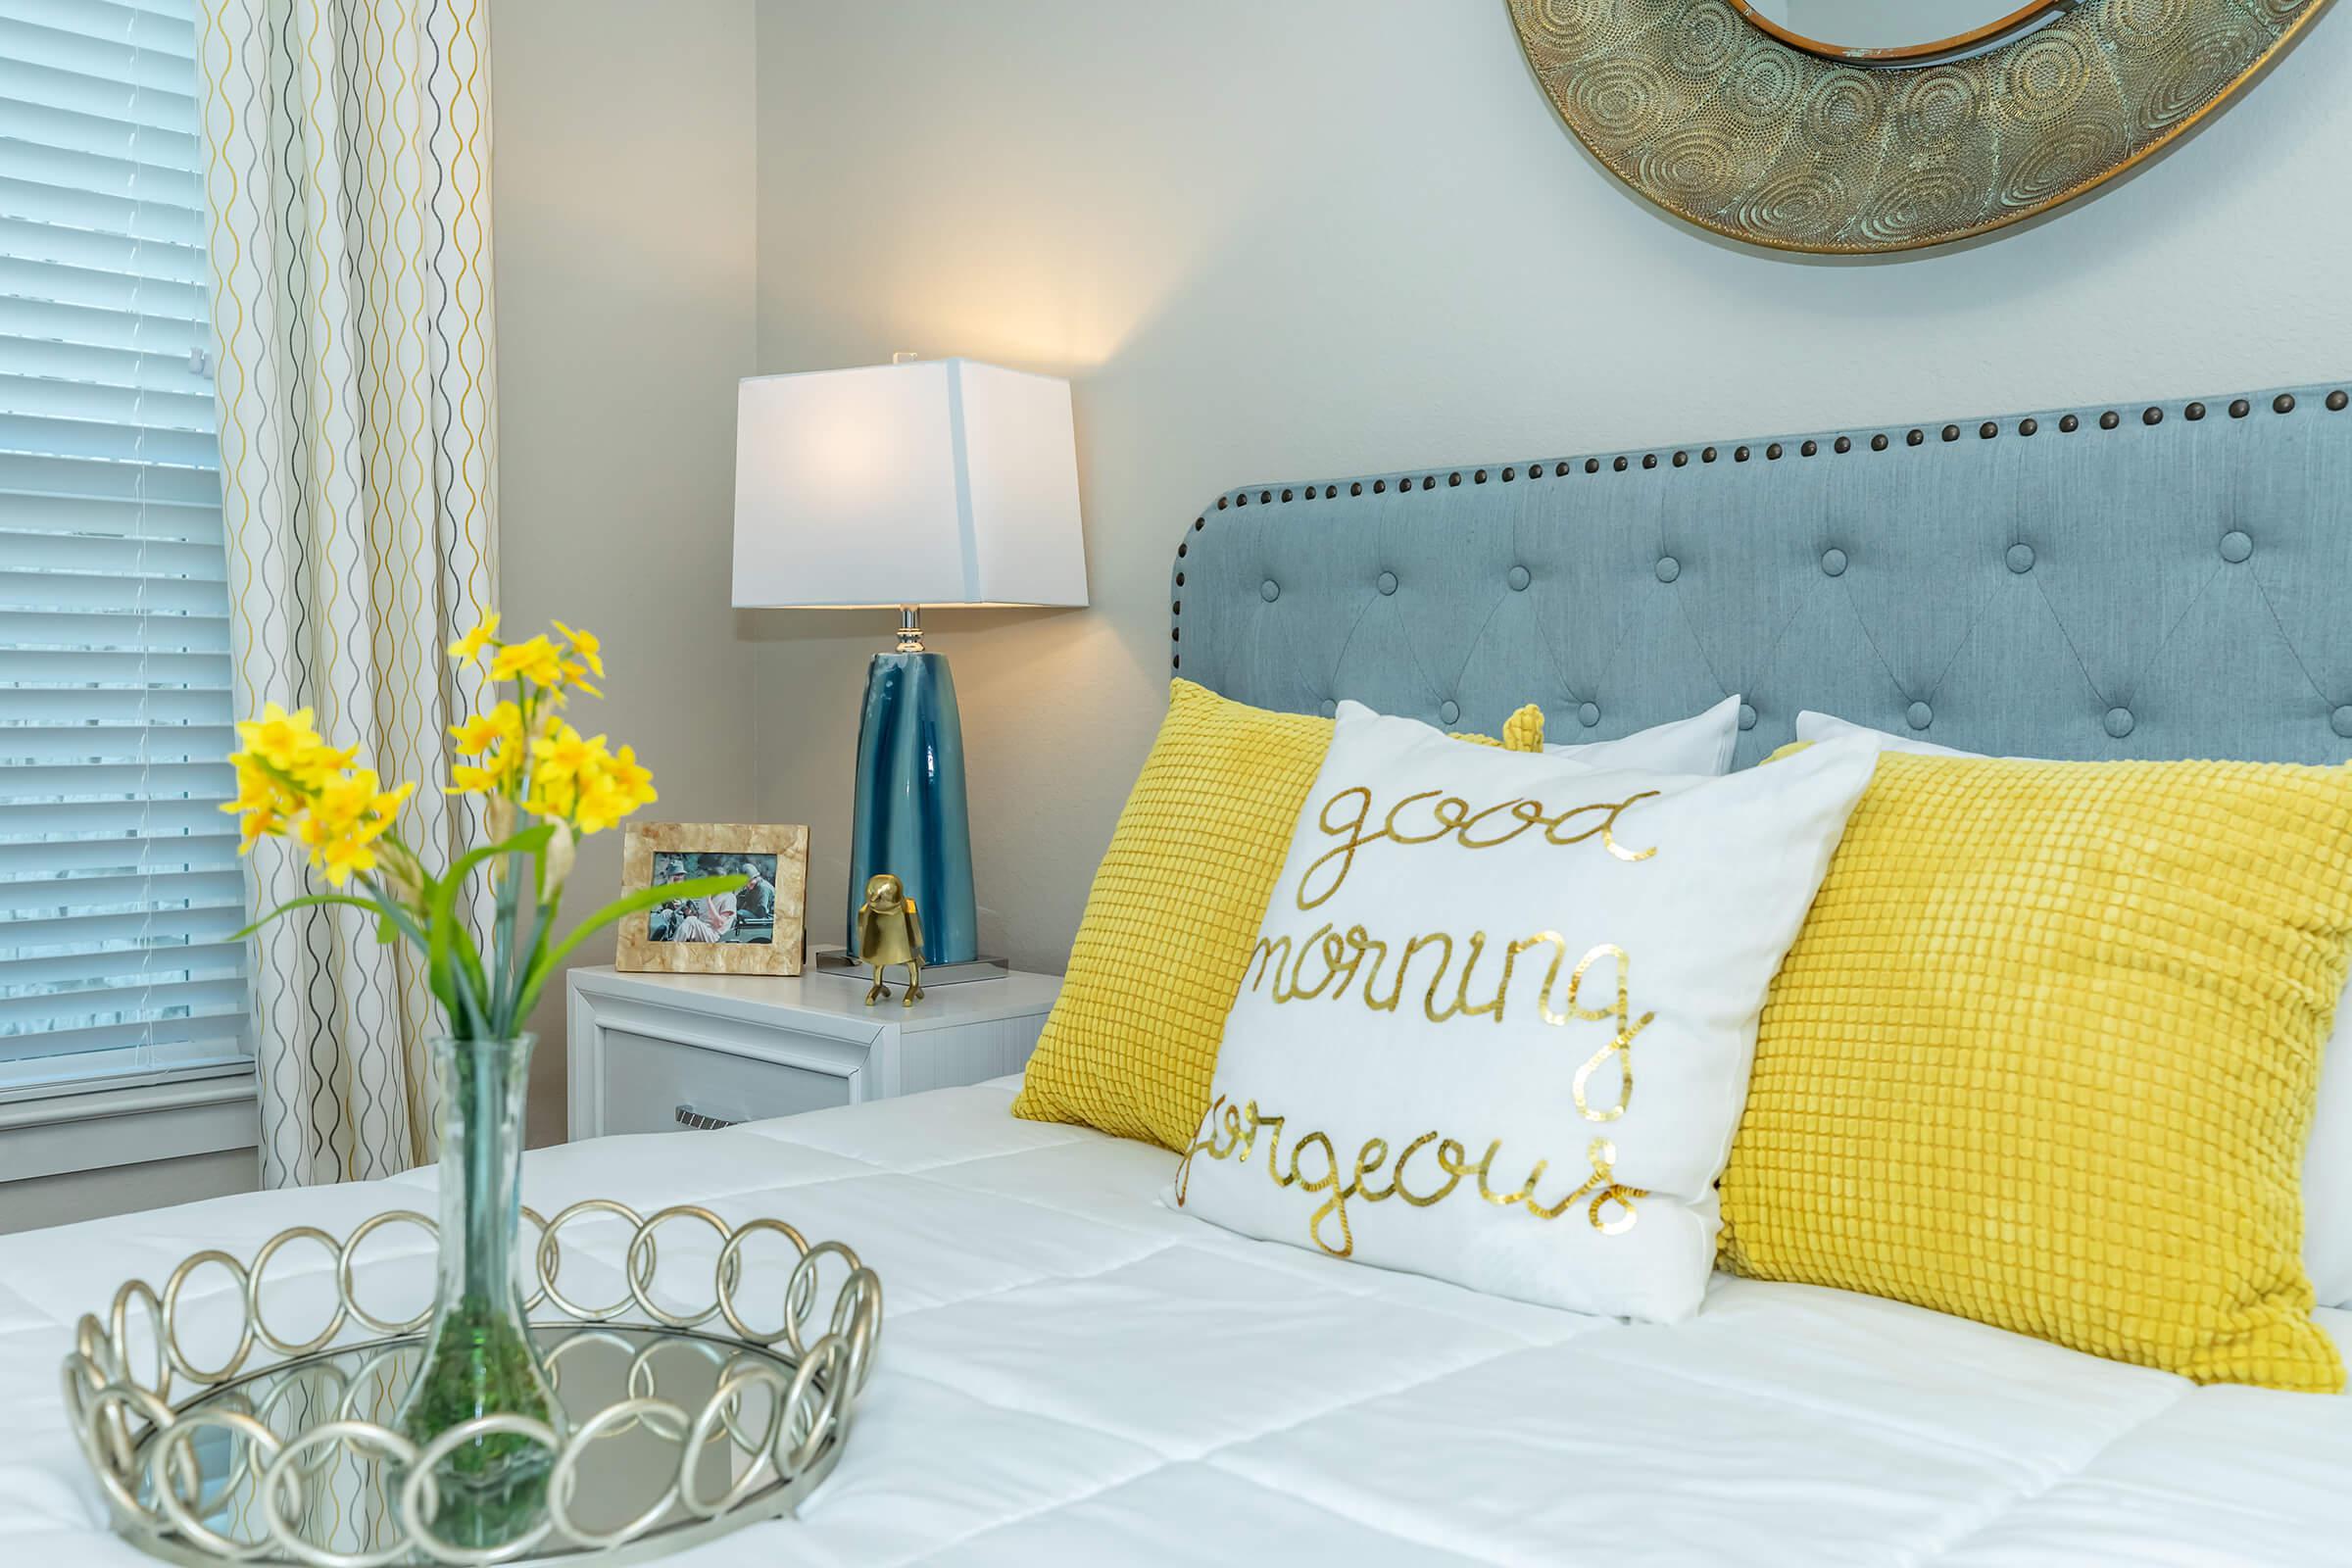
(2027,427)
(2159,419)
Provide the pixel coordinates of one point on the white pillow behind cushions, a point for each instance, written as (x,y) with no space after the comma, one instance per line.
(1498,1025)
(1701,744)
(2327,1157)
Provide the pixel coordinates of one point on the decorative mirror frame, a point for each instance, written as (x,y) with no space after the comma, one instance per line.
(1748,130)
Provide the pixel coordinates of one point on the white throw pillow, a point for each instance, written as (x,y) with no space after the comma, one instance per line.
(1701,744)
(1812,726)
(2327,1157)
(1498,1025)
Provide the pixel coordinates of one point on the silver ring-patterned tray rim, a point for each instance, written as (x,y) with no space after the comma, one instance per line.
(142,1444)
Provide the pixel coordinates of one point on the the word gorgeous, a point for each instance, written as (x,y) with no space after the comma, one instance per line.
(1231,1132)
(1324,967)
(1427,815)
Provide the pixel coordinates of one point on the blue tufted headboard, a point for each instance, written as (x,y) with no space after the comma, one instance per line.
(2154,580)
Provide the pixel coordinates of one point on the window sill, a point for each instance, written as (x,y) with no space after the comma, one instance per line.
(83,1098)
(59,1132)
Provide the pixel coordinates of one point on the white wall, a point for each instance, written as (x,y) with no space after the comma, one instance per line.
(626,144)
(1327,236)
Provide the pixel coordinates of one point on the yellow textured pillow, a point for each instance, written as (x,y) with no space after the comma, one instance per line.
(2045,1055)
(1168,928)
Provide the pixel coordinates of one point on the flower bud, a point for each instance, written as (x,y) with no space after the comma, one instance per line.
(398,883)
(556,861)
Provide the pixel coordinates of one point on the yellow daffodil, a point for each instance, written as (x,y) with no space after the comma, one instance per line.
(285,741)
(464,779)
(344,821)
(551,797)
(324,762)
(562,753)
(518,754)
(575,676)
(587,645)
(339,856)
(262,806)
(257,823)
(579,780)
(610,788)
(536,660)
(632,778)
(481,731)
(470,644)
(495,737)
(599,808)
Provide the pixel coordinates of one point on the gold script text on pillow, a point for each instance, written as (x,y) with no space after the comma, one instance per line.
(1343,953)
(1346,812)
(1241,1125)
(1415,979)
(1132,1042)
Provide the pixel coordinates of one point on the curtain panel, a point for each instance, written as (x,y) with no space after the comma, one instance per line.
(345,165)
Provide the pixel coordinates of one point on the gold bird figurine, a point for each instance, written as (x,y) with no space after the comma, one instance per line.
(891,931)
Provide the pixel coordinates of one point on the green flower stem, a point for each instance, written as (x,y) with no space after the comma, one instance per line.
(626,904)
(502,956)
(479,1359)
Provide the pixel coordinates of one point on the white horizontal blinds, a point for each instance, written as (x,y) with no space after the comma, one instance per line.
(120,889)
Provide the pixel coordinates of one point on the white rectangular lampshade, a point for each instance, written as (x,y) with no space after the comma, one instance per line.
(934,482)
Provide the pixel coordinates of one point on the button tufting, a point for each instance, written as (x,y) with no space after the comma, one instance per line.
(2340,722)
(1450,713)
(1589,714)
(1669,569)
(1518,579)
(2020,558)
(1748,716)
(1832,562)
(2120,723)
(1330,708)
(1920,714)
(1385,582)
(2235,546)
(1270,590)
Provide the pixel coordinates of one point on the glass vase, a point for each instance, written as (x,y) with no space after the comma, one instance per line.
(479,1356)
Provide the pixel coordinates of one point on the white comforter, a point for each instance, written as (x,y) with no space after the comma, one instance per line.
(1072,1373)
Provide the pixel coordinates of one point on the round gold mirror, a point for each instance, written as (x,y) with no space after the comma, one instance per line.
(1874,32)
(1861,127)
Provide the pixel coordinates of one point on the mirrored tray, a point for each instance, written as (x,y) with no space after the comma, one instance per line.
(286,1452)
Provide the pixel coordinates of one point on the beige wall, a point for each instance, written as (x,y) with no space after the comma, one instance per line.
(1327,236)
(625,148)
(126,1189)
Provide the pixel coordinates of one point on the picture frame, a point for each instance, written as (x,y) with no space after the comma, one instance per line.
(761,930)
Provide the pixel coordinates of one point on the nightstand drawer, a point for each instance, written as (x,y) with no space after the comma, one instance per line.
(647,1080)
(743,1048)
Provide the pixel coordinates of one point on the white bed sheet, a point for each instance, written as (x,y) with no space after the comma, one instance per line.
(1071,1372)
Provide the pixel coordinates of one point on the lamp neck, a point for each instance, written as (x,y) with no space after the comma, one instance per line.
(910,631)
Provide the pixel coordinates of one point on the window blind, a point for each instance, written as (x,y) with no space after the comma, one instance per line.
(119,888)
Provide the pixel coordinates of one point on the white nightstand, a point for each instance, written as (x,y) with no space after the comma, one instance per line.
(654,1053)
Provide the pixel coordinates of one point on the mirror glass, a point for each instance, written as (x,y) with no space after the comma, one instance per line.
(1905,24)
(348,1502)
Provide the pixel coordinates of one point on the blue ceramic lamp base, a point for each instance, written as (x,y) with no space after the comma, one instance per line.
(913,819)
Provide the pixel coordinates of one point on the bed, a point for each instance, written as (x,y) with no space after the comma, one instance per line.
(1073,1372)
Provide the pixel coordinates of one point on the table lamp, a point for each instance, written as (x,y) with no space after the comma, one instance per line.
(895,486)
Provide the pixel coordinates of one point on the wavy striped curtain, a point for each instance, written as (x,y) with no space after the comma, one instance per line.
(347,178)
